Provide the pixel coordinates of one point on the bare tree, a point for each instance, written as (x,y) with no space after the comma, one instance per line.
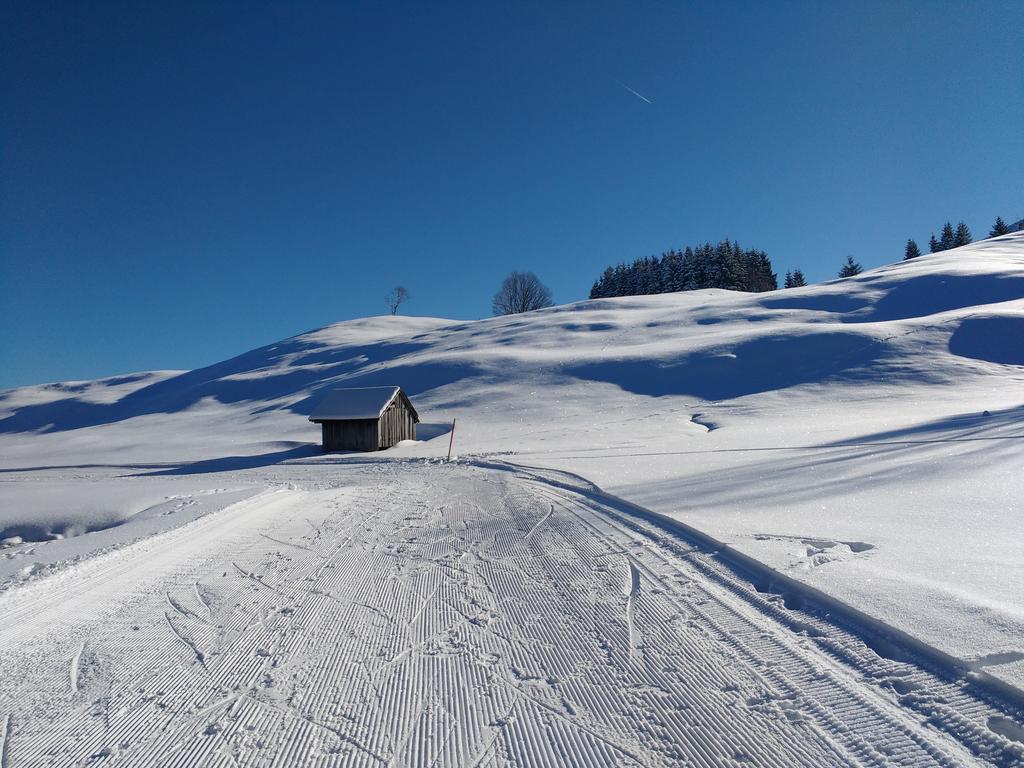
(398,295)
(521,292)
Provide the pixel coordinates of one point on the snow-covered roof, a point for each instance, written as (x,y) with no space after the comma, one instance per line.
(357,402)
(354,403)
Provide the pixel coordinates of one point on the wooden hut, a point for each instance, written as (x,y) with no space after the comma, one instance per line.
(365,418)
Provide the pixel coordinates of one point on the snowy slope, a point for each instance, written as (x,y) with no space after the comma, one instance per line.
(863,435)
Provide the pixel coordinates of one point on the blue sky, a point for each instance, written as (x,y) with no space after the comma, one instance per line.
(180,182)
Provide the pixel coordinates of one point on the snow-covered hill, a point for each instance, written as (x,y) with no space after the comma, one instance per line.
(863,436)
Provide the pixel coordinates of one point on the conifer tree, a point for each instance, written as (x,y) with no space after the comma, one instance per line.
(736,263)
(619,286)
(651,276)
(760,277)
(962,236)
(798,279)
(721,273)
(999,228)
(689,278)
(911,251)
(788,282)
(705,266)
(933,244)
(850,268)
(948,237)
(655,284)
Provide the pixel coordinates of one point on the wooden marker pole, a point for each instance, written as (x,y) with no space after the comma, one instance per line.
(451,440)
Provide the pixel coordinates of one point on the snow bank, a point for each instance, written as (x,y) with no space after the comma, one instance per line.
(48,523)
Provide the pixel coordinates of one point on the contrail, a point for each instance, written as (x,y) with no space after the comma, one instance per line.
(638,95)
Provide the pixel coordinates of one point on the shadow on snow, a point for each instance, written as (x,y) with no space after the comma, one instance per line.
(276,372)
(760,365)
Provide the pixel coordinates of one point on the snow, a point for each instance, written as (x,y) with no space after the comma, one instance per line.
(423,614)
(354,403)
(860,439)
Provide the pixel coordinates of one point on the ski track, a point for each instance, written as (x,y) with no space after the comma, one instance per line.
(75,660)
(4,733)
(632,592)
(404,619)
(539,523)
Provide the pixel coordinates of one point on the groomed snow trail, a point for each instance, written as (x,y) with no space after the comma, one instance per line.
(451,615)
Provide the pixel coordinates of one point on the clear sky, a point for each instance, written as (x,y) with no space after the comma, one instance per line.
(180,182)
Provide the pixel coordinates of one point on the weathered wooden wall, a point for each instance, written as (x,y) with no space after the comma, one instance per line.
(396,424)
(353,435)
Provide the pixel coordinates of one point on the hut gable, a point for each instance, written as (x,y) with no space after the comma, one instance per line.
(365,418)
